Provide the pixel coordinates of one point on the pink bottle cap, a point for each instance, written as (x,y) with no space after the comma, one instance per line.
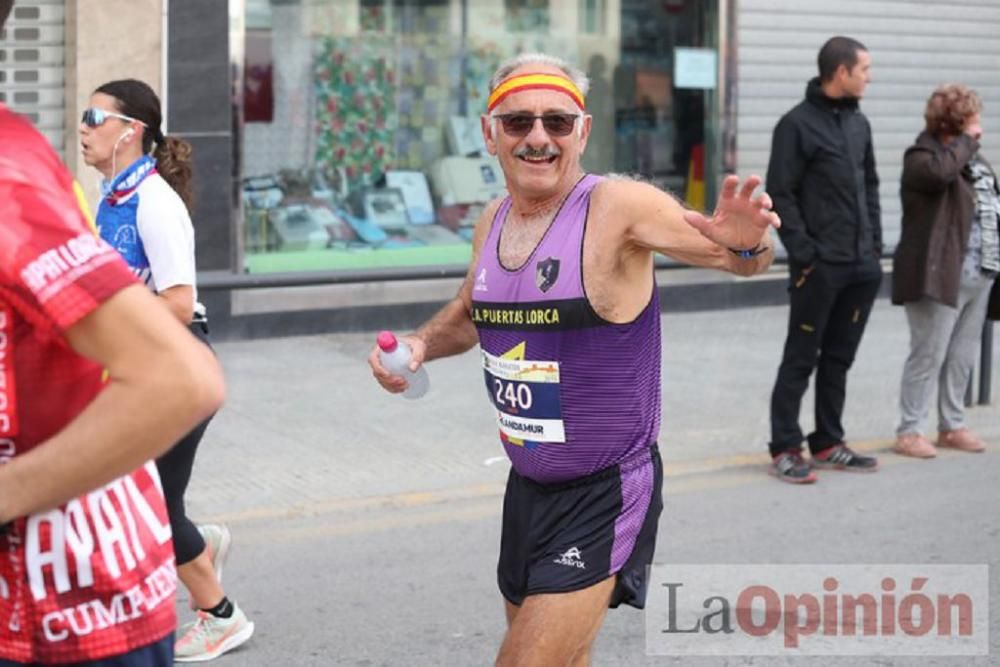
(386,341)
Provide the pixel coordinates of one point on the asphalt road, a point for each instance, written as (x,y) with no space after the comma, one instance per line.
(366,527)
(409,580)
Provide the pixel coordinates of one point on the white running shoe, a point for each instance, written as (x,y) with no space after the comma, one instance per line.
(211,636)
(218,539)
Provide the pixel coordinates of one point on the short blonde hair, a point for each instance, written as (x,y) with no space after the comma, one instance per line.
(949,108)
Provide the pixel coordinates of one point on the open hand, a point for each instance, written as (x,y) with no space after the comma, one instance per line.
(740,221)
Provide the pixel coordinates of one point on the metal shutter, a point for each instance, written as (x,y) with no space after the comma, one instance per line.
(915,45)
(32,72)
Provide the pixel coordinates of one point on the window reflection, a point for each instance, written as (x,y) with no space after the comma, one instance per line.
(362,145)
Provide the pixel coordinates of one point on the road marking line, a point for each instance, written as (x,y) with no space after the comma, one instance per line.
(420,512)
(680,477)
(268,535)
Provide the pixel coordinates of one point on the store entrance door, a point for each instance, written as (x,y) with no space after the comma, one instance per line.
(665,95)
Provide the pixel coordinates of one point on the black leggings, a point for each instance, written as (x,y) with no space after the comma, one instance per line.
(175,473)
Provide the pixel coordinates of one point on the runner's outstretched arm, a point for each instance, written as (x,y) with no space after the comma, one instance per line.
(162,382)
(658,222)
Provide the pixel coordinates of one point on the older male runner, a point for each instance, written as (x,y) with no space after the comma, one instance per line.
(561,297)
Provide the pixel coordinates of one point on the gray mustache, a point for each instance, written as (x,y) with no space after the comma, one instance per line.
(544,152)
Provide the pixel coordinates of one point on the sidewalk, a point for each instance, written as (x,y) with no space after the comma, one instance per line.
(306,429)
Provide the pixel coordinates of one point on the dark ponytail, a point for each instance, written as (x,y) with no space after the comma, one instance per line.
(173,156)
(173,162)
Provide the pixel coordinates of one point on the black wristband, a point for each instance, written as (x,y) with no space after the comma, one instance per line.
(750,253)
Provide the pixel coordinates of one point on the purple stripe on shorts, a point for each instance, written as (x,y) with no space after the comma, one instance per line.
(637,492)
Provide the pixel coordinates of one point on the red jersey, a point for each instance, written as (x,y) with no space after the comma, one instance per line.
(95,577)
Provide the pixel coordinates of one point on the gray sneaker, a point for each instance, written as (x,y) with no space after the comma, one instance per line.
(842,457)
(218,539)
(792,468)
(210,636)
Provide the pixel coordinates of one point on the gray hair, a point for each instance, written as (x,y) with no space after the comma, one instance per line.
(574,74)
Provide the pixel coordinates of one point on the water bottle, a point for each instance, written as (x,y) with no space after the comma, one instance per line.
(395,357)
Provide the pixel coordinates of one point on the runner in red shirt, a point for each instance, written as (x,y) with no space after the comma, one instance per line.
(86,560)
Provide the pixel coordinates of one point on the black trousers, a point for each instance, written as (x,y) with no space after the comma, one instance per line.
(175,472)
(828,314)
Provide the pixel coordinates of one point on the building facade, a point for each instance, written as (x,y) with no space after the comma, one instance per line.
(337,142)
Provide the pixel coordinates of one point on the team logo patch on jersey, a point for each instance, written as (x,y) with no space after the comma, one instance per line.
(547,273)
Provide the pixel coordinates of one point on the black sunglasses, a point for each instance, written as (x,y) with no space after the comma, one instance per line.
(520,124)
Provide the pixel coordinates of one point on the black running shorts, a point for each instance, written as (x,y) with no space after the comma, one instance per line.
(565,537)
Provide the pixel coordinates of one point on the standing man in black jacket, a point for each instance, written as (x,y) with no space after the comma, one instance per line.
(822,179)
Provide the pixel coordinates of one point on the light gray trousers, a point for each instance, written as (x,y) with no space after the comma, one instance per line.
(944,345)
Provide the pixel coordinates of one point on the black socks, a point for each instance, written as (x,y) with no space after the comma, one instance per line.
(222,610)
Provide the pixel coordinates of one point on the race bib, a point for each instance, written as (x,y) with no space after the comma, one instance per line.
(526,396)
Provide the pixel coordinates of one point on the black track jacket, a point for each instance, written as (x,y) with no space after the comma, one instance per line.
(821,177)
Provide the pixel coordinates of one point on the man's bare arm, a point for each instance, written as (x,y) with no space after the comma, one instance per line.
(656,221)
(162,382)
(450,331)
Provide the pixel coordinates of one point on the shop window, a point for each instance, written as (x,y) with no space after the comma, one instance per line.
(527,15)
(374,155)
(400,16)
(593,17)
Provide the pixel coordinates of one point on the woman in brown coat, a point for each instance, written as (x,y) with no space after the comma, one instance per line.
(944,266)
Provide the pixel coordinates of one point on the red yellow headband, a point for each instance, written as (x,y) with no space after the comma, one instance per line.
(534,82)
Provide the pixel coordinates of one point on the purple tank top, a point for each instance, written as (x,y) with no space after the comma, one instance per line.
(574,393)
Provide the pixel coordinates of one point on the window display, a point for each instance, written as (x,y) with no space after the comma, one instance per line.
(361,139)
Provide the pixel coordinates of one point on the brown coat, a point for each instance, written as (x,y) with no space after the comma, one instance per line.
(938,204)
